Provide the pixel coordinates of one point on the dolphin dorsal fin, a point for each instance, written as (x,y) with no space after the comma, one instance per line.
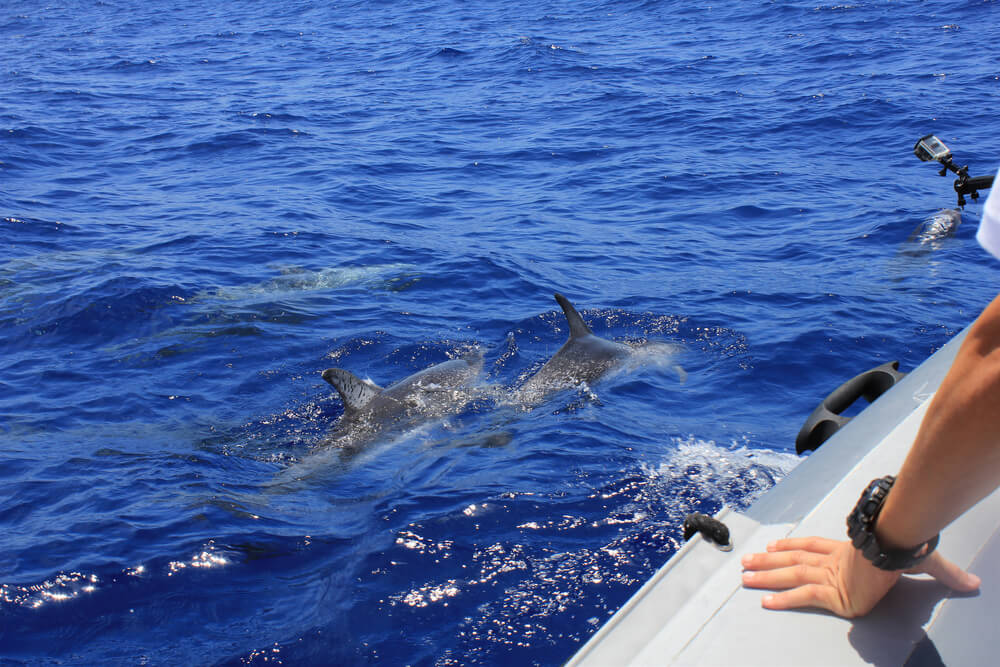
(577,327)
(355,392)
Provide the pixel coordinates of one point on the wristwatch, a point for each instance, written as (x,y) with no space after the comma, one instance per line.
(861,530)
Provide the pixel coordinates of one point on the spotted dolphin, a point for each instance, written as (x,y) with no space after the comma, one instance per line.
(583,358)
(371,411)
(938,226)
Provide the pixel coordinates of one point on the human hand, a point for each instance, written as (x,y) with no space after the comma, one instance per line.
(833,575)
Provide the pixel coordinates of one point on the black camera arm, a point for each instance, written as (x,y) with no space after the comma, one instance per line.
(930,148)
(971,186)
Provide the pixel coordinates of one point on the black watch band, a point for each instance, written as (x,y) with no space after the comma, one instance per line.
(861,530)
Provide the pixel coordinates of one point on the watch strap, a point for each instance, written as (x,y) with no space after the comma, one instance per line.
(861,530)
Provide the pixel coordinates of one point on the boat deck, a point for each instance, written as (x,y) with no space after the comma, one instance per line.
(694,610)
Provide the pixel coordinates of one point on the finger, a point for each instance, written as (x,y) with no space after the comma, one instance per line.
(820,545)
(811,595)
(776,559)
(787,577)
(949,574)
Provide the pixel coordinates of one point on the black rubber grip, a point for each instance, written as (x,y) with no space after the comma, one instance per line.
(711,529)
(826,419)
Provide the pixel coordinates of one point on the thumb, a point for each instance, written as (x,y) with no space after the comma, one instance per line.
(949,574)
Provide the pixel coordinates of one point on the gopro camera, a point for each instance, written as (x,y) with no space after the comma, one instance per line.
(930,148)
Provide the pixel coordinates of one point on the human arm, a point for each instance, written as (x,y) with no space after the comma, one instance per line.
(953,463)
(955,459)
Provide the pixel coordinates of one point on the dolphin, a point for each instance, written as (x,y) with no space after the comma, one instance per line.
(938,226)
(583,358)
(371,411)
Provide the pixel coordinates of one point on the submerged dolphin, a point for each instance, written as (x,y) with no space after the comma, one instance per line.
(938,226)
(370,410)
(583,358)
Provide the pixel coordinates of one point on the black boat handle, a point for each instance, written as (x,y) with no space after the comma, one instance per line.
(826,419)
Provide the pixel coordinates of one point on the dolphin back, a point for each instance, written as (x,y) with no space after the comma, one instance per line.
(355,392)
(577,327)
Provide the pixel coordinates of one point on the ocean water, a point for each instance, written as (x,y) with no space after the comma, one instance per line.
(205,205)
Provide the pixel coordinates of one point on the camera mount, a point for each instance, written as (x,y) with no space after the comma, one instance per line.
(929,148)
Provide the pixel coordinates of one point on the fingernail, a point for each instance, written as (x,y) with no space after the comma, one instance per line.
(973,580)
(771,546)
(767,600)
(748,576)
(747,559)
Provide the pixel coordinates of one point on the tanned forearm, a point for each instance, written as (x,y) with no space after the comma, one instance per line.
(955,459)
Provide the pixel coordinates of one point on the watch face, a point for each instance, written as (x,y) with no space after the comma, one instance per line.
(862,518)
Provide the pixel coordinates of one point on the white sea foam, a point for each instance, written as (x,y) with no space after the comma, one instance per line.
(735,475)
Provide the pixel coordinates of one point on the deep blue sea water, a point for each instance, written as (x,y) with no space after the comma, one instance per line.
(203,205)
